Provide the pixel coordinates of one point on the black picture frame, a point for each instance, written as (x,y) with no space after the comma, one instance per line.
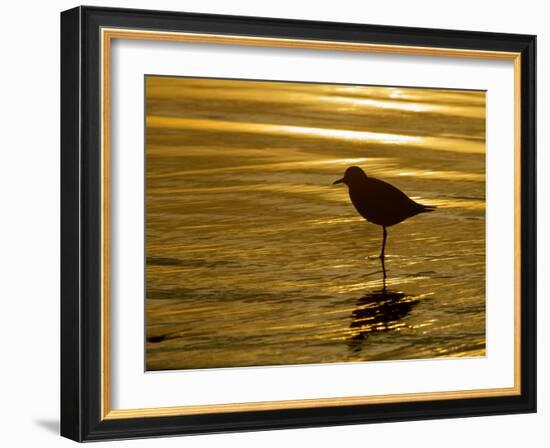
(81,224)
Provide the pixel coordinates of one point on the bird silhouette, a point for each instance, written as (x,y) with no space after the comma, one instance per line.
(379,202)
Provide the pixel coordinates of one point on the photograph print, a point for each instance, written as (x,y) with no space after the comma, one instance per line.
(292,223)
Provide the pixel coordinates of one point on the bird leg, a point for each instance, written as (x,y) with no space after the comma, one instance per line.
(382,262)
(384,242)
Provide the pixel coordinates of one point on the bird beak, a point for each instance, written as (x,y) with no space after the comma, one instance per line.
(339,181)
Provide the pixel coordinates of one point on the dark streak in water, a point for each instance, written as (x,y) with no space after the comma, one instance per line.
(161,261)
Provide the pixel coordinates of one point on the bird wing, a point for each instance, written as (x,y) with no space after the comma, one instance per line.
(386,193)
(379,202)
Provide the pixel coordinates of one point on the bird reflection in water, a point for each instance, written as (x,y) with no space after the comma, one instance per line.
(377,311)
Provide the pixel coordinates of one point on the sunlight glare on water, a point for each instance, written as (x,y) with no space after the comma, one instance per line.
(254,257)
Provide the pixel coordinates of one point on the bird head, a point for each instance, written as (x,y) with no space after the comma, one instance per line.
(353,175)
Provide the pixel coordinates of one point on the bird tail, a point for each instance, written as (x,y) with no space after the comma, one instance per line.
(428,208)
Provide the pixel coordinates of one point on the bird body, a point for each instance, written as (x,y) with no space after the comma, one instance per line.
(379,202)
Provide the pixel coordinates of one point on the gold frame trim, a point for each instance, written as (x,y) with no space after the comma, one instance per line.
(107,35)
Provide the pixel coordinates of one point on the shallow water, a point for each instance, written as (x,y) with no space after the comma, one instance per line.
(255,258)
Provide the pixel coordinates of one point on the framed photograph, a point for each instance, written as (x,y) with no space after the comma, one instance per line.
(276,224)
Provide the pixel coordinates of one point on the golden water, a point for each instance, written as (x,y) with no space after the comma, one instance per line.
(255,258)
